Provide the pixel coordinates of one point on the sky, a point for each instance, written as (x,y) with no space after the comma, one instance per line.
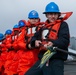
(11,11)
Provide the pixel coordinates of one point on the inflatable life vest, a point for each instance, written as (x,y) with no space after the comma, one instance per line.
(14,39)
(21,39)
(54,27)
(8,41)
(31,29)
(22,34)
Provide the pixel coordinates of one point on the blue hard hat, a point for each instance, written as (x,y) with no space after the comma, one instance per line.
(1,36)
(16,26)
(51,7)
(33,14)
(21,23)
(8,31)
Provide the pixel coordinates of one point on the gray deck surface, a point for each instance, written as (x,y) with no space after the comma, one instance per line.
(70,68)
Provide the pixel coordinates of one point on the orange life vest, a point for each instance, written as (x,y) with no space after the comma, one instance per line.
(21,39)
(31,29)
(53,34)
(14,39)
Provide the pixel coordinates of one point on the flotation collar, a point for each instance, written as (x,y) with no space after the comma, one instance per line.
(28,24)
(67,15)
